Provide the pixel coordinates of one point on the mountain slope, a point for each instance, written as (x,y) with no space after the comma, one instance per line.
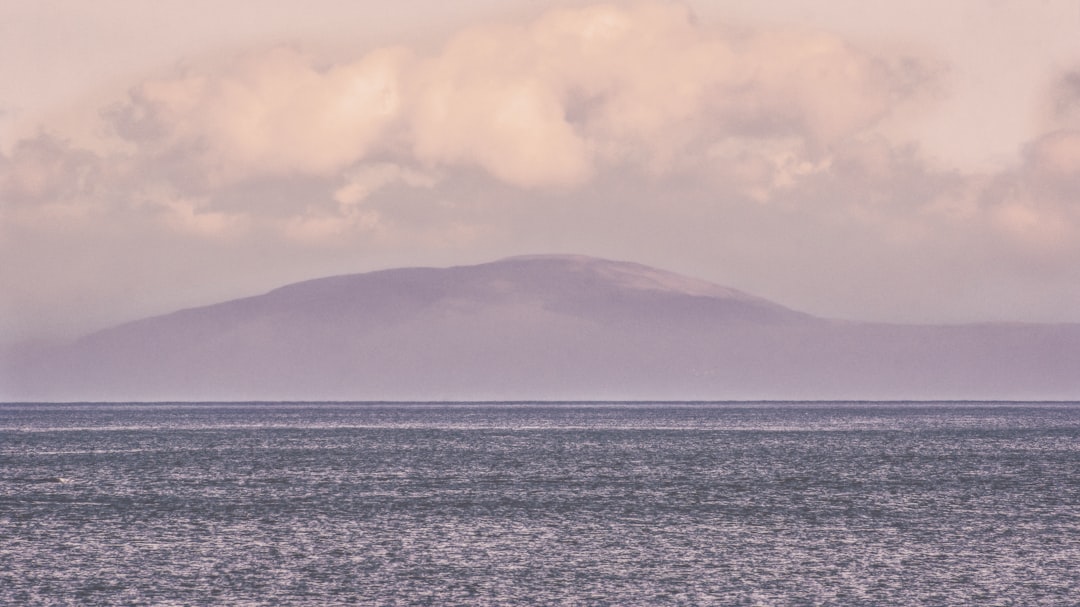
(540,327)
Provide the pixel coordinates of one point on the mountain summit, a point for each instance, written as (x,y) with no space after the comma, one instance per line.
(539,327)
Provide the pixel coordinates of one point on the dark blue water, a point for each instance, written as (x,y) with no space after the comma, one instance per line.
(593,504)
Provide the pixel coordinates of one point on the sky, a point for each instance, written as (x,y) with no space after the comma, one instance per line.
(873,160)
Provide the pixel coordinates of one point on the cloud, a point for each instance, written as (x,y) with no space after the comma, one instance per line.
(1033,206)
(336,225)
(286,143)
(330,229)
(545,103)
(1036,205)
(1056,155)
(47,169)
(1065,99)
(194,216)
(267,113)
(365,180)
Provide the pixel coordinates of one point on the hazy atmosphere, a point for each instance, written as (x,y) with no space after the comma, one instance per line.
(558,302)
(869,160)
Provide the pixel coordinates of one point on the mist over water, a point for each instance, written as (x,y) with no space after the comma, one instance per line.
(577,503)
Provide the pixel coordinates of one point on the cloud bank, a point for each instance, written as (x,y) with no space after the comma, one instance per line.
(541,104)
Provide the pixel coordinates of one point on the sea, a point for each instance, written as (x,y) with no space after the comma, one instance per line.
(640,503)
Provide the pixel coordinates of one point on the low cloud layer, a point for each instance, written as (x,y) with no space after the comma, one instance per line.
(624,130)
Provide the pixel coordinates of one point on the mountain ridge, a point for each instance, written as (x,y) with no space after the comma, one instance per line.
(539,327)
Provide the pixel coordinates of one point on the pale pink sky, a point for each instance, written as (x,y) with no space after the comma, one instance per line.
(903,161)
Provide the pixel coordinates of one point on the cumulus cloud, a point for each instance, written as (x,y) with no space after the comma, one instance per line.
(544,103)
(285,139)
(287,142)
(268,113)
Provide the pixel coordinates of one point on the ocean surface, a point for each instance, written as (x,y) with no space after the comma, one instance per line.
(540,504)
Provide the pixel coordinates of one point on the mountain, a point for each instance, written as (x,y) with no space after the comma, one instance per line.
(539,327)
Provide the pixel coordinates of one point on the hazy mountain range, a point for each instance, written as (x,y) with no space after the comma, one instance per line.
(539,327)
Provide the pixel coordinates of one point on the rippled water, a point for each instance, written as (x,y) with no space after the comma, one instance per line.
(582,504)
